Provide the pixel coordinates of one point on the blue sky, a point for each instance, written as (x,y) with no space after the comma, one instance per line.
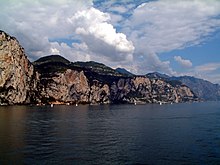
(173,37)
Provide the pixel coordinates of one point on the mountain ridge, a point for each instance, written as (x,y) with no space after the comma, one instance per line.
(204,89)
(104,75)
(55,80)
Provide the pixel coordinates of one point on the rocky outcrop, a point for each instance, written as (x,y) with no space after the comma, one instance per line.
(17,76)
(74,87)
(202,88)
(144,90)
(70,86)
(99,93)
(54,79)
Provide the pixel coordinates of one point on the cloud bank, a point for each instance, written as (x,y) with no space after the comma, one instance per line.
(71,28)
(34,23)
(162,26)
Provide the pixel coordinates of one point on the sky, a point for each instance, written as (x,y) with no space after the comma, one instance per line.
(167,36)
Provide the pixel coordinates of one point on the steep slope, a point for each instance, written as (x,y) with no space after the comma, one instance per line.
(202,88)
(157,76)
(98,71)
(17,76)
(62,81)
(124,72)
(91,82)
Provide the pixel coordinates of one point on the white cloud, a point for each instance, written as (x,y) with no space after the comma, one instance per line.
(207,68)
(39,24)
(34,23)
(116,19)
(119,9)
(166,25)
(208,71)
(214,78)
(183,62)
(100,36)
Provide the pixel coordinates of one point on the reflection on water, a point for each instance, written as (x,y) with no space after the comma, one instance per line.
(111,134)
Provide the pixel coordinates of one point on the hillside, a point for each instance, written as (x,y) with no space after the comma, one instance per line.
(202,88)
(102,84)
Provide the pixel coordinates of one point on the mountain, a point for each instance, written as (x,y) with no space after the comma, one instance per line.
(17,75)
(93,70)
(124,72)
(55,80)
(202,88)
(51,64)
(52,59)
(157,75)
(92,82)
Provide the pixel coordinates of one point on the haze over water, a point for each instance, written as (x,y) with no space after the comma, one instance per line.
(111,134)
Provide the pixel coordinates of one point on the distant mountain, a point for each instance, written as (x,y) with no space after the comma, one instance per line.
(124,72)
(202,88)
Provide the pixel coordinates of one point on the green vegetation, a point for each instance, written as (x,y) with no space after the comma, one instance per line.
(49,65)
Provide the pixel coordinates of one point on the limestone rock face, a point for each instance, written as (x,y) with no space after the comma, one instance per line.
(184,93)
(144,90)
(99,93)
(70,86)
(16,72)
(74,87)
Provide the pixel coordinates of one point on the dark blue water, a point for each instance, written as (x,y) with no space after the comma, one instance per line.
(111,134)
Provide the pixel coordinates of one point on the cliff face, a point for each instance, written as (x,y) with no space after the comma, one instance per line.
(70,86)
(144,90)
(16,72)
(54,79)
(202,88)
(92,85)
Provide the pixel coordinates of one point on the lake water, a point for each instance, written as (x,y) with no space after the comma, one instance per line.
(111,134)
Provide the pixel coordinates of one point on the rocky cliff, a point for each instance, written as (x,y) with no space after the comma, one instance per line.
(143,90)
(95,83)
(203,89)
(54,79)
(17,76)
